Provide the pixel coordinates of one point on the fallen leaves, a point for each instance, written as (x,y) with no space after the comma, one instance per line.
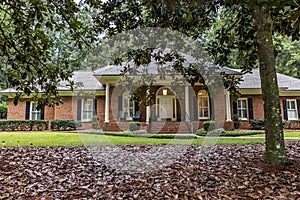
(225,172)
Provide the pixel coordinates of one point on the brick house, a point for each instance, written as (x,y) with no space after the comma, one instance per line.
(100,95)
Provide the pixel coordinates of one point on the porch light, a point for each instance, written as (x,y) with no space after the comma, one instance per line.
(165,92)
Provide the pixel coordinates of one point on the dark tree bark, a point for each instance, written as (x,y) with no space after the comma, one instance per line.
(275,149)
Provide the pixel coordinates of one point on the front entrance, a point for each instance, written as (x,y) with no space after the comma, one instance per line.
(166,105)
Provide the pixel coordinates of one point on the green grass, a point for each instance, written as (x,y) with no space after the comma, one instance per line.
(75,139)
(286,134)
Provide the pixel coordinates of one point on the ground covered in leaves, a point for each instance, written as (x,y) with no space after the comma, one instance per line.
(200,172)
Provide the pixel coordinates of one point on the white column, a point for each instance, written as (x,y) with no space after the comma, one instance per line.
(187,103)
(147,113)
(107,103)
(228,109)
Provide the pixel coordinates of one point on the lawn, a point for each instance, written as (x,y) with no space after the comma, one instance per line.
(286,135)
(76,139)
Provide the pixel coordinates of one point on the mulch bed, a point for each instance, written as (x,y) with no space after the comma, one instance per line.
(200,172)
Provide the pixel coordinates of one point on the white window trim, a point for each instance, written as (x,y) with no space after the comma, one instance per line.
(203,96)
(35,111)
(296,109)
(82,107)
(237,108)
(127,96)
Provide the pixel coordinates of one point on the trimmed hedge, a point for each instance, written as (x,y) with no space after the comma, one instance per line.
(134,126)
(64,124)
(257,124)
(227,133)
(149,135)
(292,124)
(209,125)
(23,125)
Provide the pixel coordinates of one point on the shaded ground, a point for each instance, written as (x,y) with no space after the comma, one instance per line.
(217,172)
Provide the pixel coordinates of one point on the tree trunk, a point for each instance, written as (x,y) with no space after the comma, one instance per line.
(275,149)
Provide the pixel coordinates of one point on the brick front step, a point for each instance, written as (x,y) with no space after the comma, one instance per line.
(161,127)
(170,127)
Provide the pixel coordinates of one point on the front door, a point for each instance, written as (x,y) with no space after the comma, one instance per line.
(166,108)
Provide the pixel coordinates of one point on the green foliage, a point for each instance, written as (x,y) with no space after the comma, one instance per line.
(292,124)
(64,124)
(3,110)
(35,55)
(201,132)
(209,125)
(94,121)
(237,121)
(257,124)
(23,125)
(149,135)
(288,57)
(227,133)
(134,126)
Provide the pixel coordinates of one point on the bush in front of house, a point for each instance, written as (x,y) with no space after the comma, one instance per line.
(236,121)
(94,121)
(209,125)
(257,124)
(223,133)
(201,132)
(23,125)
(134,126)
(64,124)
(291,124)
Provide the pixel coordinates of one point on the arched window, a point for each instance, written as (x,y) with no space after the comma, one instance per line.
(203,105)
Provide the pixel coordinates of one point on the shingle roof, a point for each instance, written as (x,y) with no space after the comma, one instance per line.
(152,67)
(88,80)
(252,81)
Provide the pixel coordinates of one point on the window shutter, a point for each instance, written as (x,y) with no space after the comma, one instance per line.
(250,108)
(136,106)
(285,115)
(120,103)
(95,107)
(298,107)
(43,113)
(79,105)
(27,111)
(211,108)
(195,102)
(235,111)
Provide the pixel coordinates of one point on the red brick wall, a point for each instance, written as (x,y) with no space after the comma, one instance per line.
(18,111)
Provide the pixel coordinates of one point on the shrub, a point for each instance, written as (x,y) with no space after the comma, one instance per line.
(237,121)
(3,110)
(209,125)
(94,121)
(223,133)
(64,124)
(23,125)
(257,124)
(134,126)
(201,132)
(217,132)
(284,123)
(291,124)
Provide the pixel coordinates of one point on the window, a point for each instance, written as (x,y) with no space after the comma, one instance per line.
(34,113)
(128,107)
(291,107)
(87,109)
(203,104)
(242,108)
